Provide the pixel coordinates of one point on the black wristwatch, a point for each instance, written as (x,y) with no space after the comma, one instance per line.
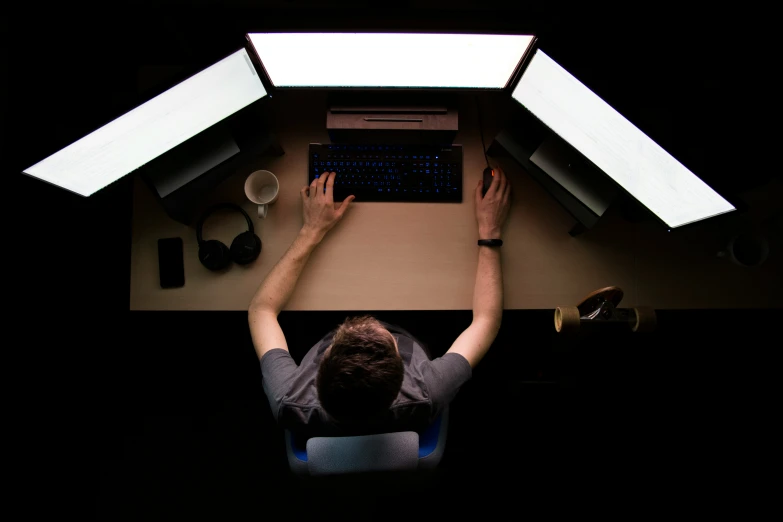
(490,242)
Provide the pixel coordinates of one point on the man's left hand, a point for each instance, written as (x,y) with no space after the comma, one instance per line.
(319,210)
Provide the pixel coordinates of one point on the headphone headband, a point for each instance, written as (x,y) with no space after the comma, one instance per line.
(215,208)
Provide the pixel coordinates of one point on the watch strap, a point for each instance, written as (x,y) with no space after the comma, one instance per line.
(490,242)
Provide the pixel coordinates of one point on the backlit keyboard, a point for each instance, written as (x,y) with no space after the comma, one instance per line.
(418,173)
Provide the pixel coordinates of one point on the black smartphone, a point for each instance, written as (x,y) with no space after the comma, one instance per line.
(171,263)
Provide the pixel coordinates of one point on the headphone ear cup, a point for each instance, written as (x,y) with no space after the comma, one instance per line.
(245,248)
(214,255)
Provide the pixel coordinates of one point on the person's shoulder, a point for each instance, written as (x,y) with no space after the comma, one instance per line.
(275,355)
(449,366)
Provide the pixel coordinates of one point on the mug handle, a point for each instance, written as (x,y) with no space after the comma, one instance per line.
(262,210)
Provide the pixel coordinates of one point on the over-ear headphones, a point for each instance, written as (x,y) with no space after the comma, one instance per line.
(215,255)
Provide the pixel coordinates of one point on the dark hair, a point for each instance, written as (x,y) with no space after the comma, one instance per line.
(361,373)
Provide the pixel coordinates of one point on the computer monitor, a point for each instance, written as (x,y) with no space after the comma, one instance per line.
(615,145)
(153,128)
(390,60)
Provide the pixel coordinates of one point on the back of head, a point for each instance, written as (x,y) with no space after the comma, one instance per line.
(361,372)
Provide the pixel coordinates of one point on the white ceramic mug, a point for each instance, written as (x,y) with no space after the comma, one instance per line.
(262,188)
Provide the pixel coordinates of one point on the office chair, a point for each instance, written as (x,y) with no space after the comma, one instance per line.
(405,450)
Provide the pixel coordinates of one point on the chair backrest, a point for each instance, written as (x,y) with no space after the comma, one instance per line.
(382,452)
(405,450)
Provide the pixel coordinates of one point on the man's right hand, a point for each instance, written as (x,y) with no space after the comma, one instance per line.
(492,208)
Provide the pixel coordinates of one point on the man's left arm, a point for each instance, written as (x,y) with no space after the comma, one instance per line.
(320,215)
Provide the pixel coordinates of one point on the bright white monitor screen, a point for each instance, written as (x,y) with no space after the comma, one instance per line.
(615,145)
(146,132)
(481,61)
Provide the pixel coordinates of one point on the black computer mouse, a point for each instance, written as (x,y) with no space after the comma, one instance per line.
(488,175)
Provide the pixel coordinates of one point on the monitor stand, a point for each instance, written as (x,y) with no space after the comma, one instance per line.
(182,178)
(577,185)
(190,160)
(573,173)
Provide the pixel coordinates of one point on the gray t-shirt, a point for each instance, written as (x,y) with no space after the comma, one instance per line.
(427,388)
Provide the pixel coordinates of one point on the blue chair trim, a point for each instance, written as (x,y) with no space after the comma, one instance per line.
(428,439)
(299,447)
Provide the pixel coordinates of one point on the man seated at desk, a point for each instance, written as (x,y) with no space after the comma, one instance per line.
(367,376)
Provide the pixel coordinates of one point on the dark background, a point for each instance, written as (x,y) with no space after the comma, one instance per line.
(139,415)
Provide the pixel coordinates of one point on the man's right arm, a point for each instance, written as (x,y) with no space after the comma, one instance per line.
(491,212)
(319,215)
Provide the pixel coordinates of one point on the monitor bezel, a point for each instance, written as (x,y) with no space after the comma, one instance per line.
(143,97)
(623,190)
(271,87)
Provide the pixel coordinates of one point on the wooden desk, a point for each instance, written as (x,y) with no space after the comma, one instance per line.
(422,256)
